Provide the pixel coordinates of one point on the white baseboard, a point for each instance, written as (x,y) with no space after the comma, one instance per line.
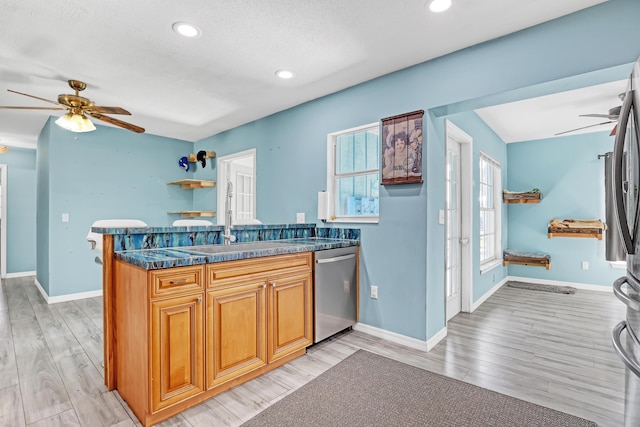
(490,292)
(392,336)
(583,286)
(439,336)
(20,274)
(68,297)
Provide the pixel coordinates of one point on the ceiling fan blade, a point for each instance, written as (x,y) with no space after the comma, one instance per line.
(603,116)
(585,127)
(116,122)
(30,108)
(36,97)
(107,110)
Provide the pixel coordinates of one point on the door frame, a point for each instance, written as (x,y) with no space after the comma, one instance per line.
(223,168)
(466,183)
(3,221)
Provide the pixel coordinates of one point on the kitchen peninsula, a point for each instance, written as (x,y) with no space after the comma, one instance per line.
(186,317)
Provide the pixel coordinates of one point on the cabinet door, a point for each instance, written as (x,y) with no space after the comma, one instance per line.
(177,353)
(290,314)
(235,331)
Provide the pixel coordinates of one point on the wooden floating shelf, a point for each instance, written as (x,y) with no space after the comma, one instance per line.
(193,183)
(532,262)
(193,214)
(591,234)
(194,158)
(521,197)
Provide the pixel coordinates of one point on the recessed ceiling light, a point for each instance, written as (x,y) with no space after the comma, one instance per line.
(186,30)
(285,74)
(438,6)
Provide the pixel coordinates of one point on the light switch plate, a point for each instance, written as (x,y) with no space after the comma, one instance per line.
(65,217)
(440,216)
(300,218)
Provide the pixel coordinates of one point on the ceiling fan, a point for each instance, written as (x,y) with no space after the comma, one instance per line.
(612,115)
(78,108)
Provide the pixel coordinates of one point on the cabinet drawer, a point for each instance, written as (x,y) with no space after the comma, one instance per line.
(230,272)
(176,280)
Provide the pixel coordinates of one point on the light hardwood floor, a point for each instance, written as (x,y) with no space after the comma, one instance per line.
(549,349)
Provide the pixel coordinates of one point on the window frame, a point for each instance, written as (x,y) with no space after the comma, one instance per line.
(496,169)
(332,177)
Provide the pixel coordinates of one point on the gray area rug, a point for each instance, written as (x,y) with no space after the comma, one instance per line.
(366,389)
(546,288)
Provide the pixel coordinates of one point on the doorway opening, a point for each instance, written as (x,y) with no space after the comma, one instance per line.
(240,170)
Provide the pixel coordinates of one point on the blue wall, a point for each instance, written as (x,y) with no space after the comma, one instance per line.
(571,177)
(114,173)
(403,254)
(107,174)
(21,209)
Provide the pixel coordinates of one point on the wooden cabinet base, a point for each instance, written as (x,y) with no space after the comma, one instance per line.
(151,419)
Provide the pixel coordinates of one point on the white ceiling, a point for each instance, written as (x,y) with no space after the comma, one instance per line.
(546,116)
(193,88)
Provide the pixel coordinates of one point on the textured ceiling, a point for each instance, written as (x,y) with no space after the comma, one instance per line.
(193,88)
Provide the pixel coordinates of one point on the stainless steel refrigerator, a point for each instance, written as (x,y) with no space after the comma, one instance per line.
(626,189)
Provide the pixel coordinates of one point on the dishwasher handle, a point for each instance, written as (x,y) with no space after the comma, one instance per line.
(335,259)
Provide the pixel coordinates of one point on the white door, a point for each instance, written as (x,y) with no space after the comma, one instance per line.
(453,224)
(458,220)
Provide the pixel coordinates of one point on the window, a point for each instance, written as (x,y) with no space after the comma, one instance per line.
(353,174)
(490,213)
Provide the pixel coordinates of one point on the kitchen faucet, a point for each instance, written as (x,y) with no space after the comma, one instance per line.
(228,237)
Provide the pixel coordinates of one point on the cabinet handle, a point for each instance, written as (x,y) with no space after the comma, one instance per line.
(273,284)
(178,282)
(199,300)
(264,286)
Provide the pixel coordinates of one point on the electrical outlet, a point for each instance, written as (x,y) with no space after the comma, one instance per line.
(300,218)
(346,287)
(374,292)
(585,265)
(65,217)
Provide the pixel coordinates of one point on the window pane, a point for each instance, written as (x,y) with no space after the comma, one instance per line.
(357,195)
(372,151)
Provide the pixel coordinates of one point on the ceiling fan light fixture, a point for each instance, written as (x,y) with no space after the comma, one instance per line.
(75,123)
(437,6)
(186,30)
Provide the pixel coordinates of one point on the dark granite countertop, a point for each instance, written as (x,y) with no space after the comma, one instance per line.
(152,259)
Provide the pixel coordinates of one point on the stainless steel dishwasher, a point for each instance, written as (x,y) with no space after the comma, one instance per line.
(335,291)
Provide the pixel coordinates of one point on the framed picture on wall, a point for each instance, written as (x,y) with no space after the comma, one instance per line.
(402,148)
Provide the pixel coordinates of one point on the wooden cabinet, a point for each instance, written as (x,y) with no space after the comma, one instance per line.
(290,314)
(177,370)
(236,331)
(184,334)
(159,345)
(258,311)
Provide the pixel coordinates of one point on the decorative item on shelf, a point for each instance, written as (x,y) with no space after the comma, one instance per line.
(184,163)
(196,157)
(402,148)
(532,196)
(592,228)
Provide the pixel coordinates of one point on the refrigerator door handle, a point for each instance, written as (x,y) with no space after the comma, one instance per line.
(617,344)
(622,296)
(618,184)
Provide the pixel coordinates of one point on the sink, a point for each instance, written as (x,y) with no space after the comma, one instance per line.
(237,247)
